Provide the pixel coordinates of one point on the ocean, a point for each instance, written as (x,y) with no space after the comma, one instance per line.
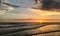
(29,29)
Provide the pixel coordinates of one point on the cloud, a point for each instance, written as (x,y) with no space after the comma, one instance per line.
(7,1)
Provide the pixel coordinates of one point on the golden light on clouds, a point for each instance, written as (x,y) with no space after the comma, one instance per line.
(44,12)
(10,8)
(2,11)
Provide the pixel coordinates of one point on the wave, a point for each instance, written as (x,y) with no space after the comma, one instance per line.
(29,29)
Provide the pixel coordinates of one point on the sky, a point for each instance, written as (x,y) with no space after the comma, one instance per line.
(27,12)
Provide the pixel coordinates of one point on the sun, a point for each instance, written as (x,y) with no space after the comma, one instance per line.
(41,21)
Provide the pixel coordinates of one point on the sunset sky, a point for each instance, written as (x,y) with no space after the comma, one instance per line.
(26,11)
